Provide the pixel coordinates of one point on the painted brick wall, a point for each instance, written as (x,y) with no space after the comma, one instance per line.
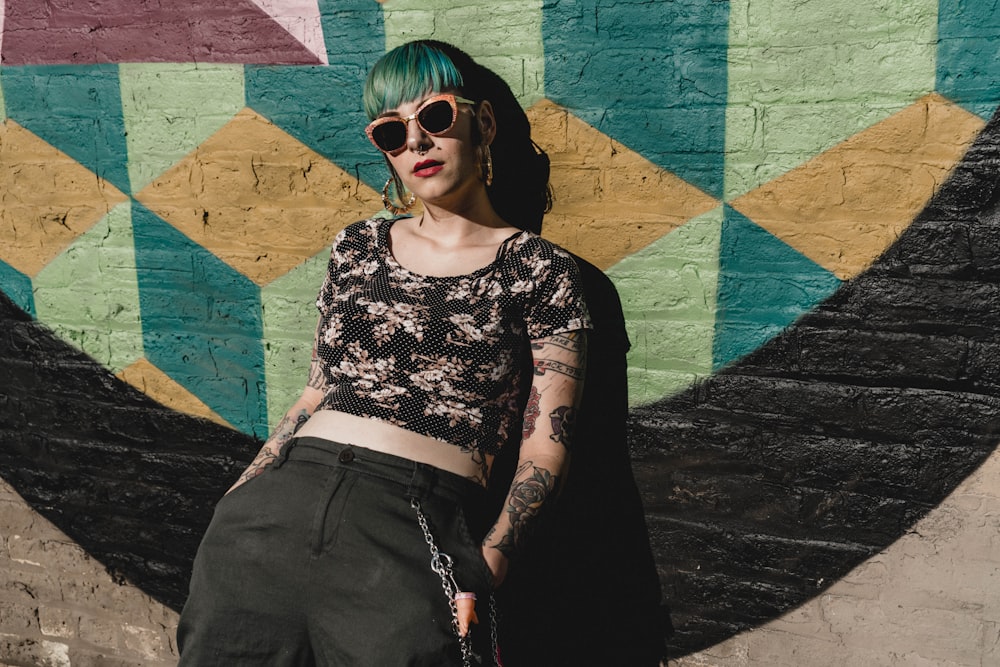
(796,201)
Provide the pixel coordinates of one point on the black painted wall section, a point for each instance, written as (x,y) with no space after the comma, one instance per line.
(775,477)
(133,482)
(762,485)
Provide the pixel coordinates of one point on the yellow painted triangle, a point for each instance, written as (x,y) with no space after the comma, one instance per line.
(609,201)
(845,207)
(257,198)
(49,199)
(159,386)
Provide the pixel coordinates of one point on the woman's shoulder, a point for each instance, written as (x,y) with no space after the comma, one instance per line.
(530,244)
(541,257)
(366,233)
(369,228)
(359,239)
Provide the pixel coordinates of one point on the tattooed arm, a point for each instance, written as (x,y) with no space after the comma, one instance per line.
(296,416)
(559,363)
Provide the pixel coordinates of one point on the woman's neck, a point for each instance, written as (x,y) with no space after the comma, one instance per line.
(458,223)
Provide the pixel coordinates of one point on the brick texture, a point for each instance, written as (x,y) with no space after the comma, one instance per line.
(830,498)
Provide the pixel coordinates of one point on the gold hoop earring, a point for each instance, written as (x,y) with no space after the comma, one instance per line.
(487,166)
(387,202)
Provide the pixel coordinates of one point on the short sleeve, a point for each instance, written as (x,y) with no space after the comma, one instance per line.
(351,249)
(555,302)
(328,288)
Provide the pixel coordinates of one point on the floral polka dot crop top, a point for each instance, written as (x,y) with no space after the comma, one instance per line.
(439,356)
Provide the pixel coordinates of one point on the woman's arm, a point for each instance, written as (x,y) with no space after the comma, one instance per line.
(558,363)
(296,416)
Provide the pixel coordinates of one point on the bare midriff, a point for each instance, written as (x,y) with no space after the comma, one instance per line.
(388,438)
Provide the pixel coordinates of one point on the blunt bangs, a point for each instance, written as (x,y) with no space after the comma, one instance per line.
(407,73)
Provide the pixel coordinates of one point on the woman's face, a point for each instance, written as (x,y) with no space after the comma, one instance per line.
(442,169)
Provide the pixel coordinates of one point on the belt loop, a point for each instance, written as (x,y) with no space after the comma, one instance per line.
(421,482)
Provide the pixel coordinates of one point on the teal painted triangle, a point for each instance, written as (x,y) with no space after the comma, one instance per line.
(764,286)
(169,109)
(354,32)
(968,57)
(651,75)
(321,106)
(668,294)
(17,287)
(89,294)
(201,322)
(77,109)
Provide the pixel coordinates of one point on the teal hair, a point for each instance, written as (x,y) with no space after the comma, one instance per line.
(406,73)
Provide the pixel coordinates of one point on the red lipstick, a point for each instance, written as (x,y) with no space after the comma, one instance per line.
(427,168)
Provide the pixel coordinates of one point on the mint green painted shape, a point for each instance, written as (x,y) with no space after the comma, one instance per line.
(289,305)
(171,108)
(89,294)
(668,294)
(804,76)
(3,107)
(504,36)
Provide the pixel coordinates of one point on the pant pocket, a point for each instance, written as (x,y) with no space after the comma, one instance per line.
(474,549)
(331,512)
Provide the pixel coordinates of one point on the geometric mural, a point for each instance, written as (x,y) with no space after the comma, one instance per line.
(803,78)
(845,206)
(755,272)
(103,31)
(89,294)
(174,138)
(171,186)
(171,108)
(968,70)
(201,321)
(75,108)
(660,90)
(820,448)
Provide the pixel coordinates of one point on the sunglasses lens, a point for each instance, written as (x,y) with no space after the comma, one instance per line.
(436,117)
(390,136)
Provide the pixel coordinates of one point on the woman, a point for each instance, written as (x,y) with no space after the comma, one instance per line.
(349,540)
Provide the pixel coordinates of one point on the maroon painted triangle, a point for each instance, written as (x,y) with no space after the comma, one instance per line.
(122,31)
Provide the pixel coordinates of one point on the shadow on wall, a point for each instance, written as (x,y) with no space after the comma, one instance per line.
(762,486)
(133,482)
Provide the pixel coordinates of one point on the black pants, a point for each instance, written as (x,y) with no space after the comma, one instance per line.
(320,560)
